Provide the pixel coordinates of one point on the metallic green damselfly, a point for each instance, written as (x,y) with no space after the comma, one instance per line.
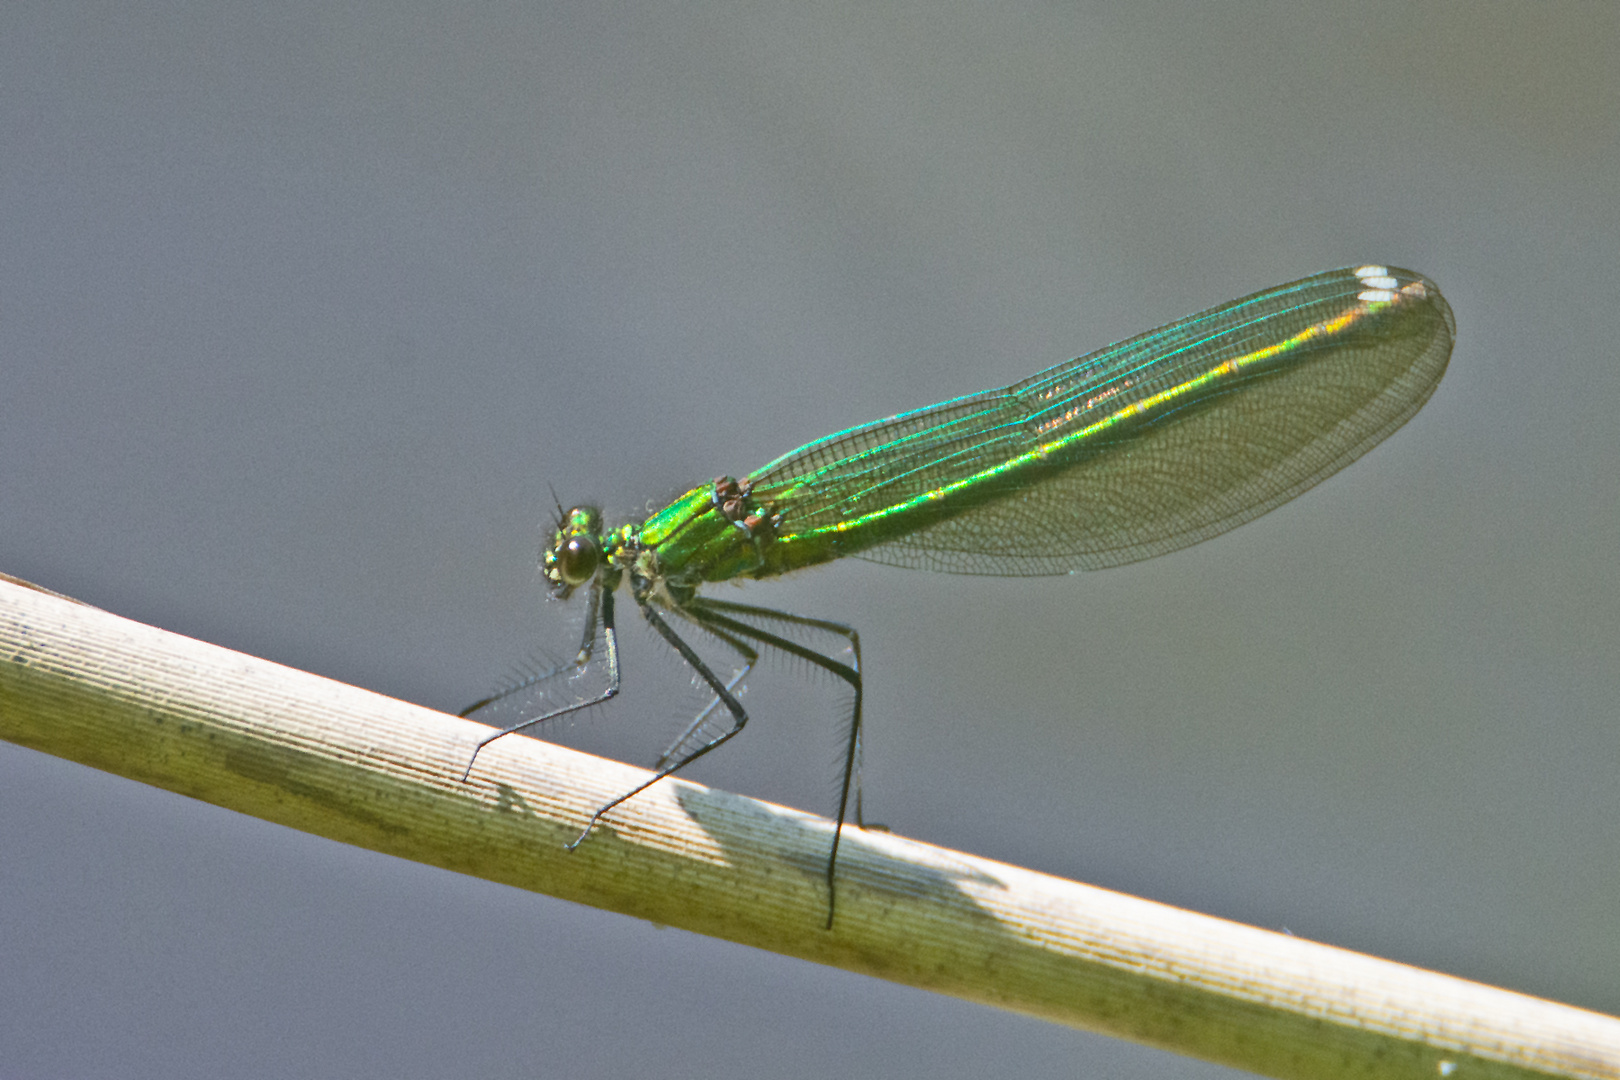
(1139,449)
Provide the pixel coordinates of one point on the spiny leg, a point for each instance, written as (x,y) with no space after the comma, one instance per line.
(715,615)
(738,714)
(610,639)
(587,648)
(750,656)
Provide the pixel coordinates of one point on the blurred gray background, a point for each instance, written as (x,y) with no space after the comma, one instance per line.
(303,306)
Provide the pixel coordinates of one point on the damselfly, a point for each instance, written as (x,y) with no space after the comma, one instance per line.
(1139,449)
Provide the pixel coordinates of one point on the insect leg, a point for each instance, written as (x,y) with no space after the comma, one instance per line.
(610,640)
(717,615)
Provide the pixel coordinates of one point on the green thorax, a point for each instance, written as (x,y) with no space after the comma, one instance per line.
(718,532)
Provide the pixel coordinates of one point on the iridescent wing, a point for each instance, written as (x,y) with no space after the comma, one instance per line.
(1141,448)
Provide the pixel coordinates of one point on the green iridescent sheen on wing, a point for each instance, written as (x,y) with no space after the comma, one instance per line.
(1141,448)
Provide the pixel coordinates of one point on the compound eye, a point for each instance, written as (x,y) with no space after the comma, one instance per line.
(577,559)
